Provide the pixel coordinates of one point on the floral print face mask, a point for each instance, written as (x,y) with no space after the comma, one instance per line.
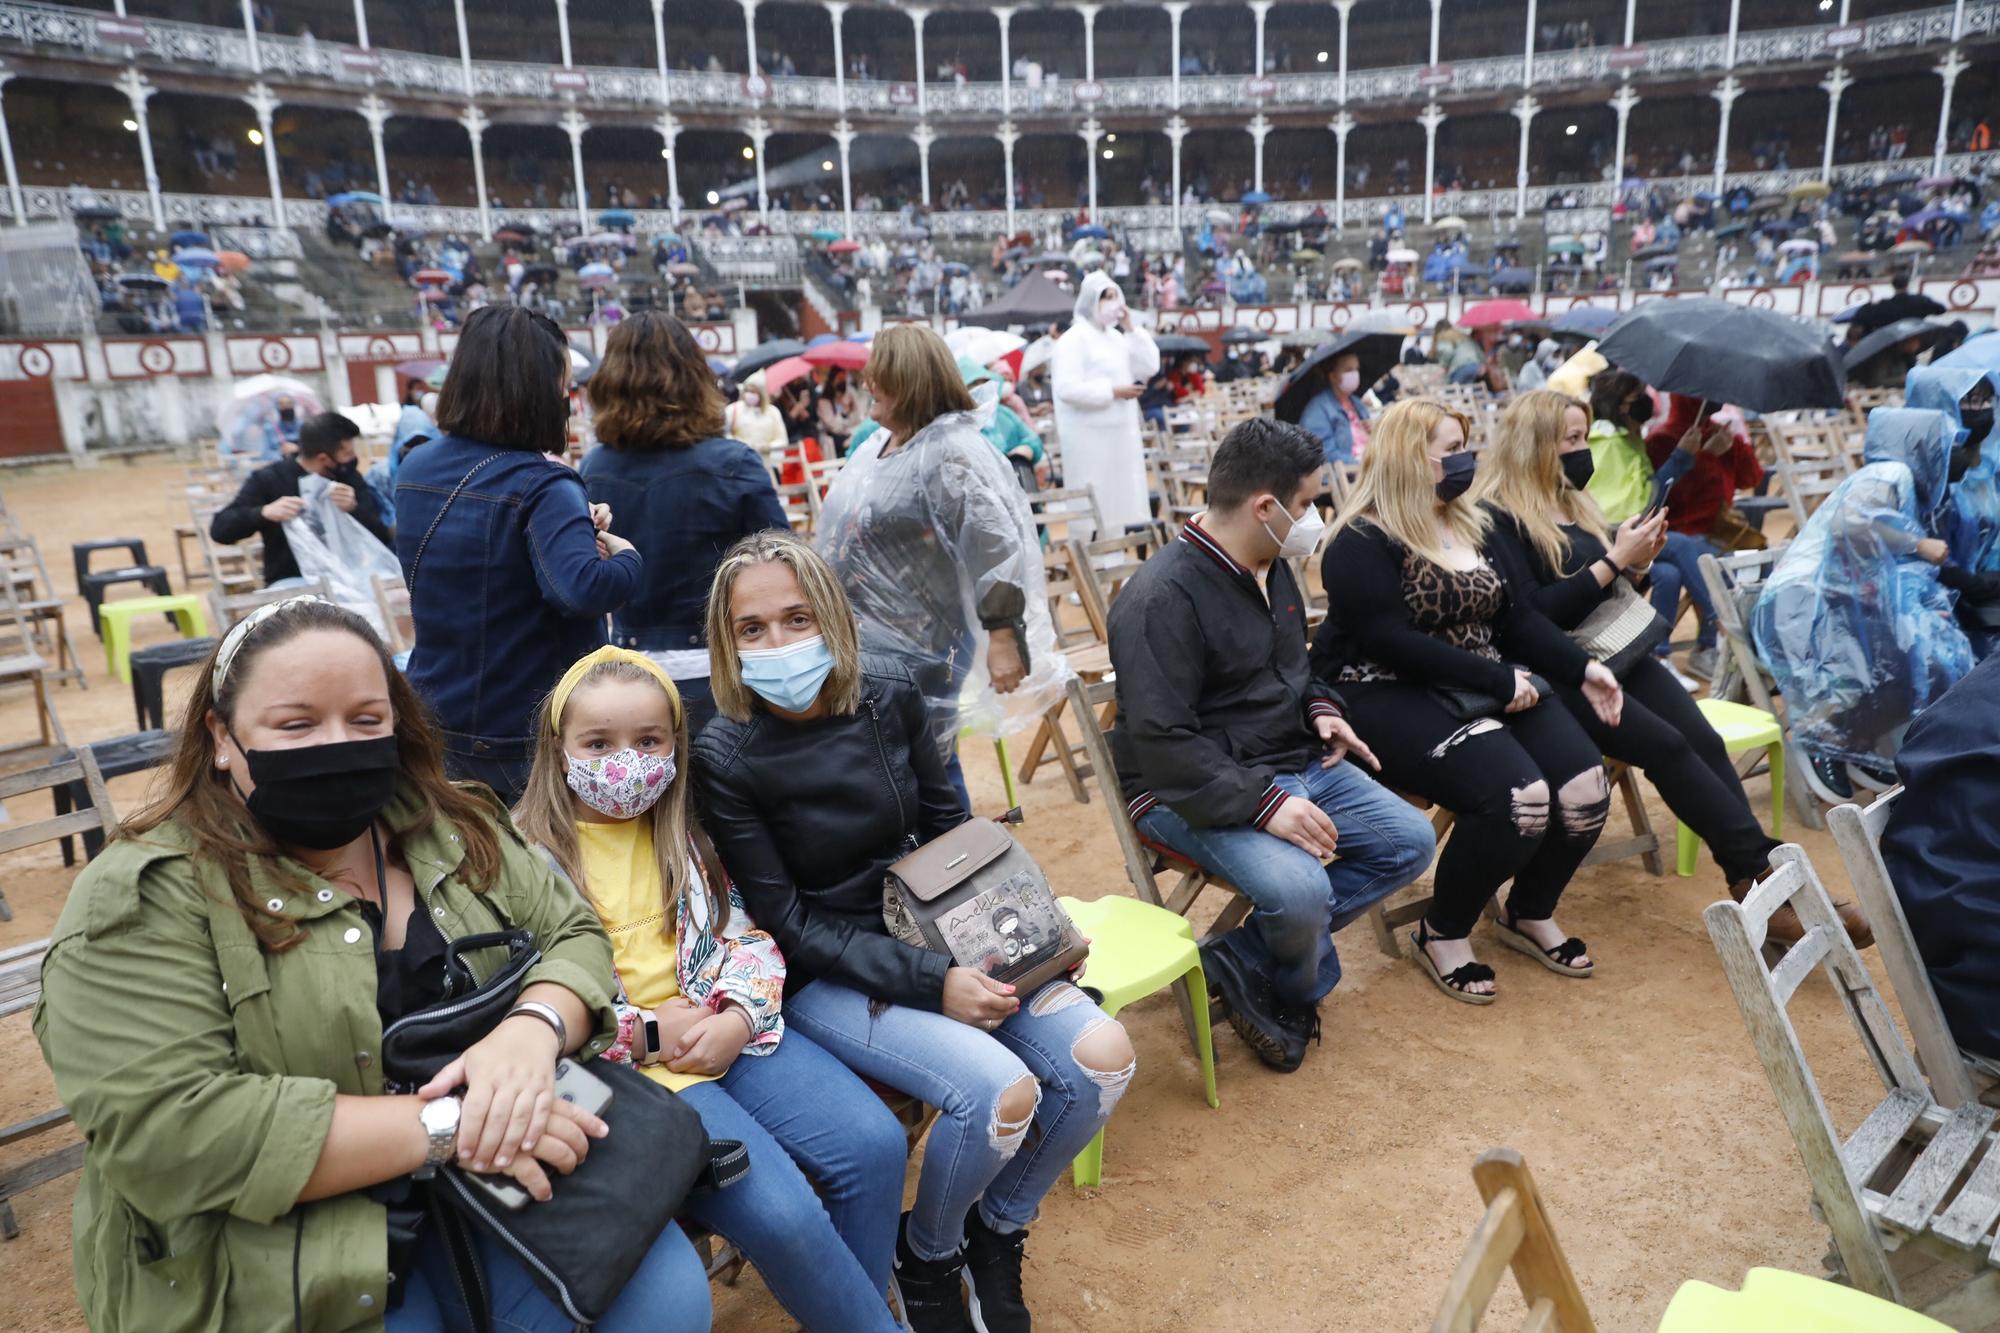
(623,785)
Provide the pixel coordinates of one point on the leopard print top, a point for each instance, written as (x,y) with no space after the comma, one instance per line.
(1457,606)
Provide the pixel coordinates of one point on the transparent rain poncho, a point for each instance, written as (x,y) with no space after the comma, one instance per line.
(930,541)
(1853,622)
(1973,529)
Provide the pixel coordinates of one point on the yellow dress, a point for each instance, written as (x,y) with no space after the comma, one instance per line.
(624,879)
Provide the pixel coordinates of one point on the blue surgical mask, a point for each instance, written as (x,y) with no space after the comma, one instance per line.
(789,677)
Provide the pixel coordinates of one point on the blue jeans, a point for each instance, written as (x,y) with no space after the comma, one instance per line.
(1678,561)
(972,1158)
(1296,903)
(802,1114)
(667,1294)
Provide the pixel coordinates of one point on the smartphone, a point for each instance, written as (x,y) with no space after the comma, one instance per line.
(574,1084)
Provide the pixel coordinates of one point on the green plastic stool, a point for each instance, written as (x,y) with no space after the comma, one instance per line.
(115,618)
(1135,950)
(1741,728)
(1773,1299)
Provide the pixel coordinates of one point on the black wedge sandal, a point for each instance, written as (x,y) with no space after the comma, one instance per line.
(1454,982)
(1560,960)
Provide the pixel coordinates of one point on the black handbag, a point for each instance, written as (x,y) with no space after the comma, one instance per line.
(1466,705)
(583,1245)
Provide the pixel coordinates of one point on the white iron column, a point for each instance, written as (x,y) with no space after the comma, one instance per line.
(1091,132)
(843,136)
(924,136)
(133,84)
(1726,94)
(660,50)
(562,30)
(1735,22)
(1260,129)
(759,130)
(834,12)
(1948,69)
(1622,104)
(1346,8)
(1177,130)
(464,45)
(250,36)
(1007,135)
(1437,12)
(1005,14)
(1432,117)
(475,124)
(360,25)
(1342,125)
(376,112)
(1259,11)
(670,130)
(917,17)
(1833,85)
(575,126)
(1631,19)
(262,103)
(7,159)
(1528,50)
(1174,8)
(1524,111)
(750,32)
(1089,13)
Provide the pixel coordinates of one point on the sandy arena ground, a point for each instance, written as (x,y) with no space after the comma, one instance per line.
(1335,1198)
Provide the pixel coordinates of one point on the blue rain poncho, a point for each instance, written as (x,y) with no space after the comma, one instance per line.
(1973,527)
(1853,623)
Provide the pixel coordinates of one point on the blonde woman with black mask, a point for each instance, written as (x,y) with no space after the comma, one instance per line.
(1437,658)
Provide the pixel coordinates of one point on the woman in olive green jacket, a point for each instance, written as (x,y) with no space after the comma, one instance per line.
(215,993)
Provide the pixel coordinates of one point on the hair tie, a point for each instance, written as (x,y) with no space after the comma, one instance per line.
(232,642)
(583,666)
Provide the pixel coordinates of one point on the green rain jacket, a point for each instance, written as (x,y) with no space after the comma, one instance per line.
(202,1071)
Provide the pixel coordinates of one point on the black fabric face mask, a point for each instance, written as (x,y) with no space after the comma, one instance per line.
(1978,422)
(322,796)
(1579,465)
(1458,471)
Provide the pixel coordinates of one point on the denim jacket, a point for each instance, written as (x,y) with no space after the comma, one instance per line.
(683,508)
(510,589)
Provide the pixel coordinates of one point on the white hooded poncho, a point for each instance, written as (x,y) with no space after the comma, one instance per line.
(1101,445)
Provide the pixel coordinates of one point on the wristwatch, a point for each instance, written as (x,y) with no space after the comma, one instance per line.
(439,1118)
(650,1025)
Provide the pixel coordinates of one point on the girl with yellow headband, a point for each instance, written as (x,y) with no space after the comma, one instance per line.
(700,988)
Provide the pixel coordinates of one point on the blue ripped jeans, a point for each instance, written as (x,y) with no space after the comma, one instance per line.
(667,1294)
(972,1157)
(1296,904)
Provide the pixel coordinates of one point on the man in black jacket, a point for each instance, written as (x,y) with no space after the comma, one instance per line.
(1230,753)
(270,499)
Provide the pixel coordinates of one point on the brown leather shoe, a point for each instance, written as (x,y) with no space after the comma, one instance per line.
(1785,928)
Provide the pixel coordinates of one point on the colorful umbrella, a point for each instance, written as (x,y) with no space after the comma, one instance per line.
(617,219)
(843,247)
(1256,198)
(196,258)
(353,197)
(623,240)
(850,355)
(511,236)
(1503,311)
(781,373)
(596,275)
(1089,232)
(824,234)
(430,277)
(190,240)
(232,261)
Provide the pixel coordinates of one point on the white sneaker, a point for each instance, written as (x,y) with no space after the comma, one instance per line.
(1686,682)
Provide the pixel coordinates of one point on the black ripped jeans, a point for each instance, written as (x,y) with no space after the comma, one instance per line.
(1504,778)
(1664,735)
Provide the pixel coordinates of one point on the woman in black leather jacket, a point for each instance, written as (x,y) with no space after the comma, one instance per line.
(819,772)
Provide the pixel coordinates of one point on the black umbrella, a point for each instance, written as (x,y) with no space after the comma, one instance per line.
(1886,337)
(1241,336)
(766,354)
(1180,344)
(1585,321)
(1512,278)
(1654,251)
(1377,349)
(1728,353)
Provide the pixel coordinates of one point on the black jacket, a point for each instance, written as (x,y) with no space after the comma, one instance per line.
(808,815)
(1564,595)
(243,517)
(1368,619)
(1215,697)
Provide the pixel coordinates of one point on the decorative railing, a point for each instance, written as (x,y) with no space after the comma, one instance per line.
(163,45)
(1152,221)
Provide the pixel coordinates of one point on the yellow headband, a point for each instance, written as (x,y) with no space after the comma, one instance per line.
(585,665)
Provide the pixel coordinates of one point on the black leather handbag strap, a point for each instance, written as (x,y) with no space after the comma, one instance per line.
(410,577)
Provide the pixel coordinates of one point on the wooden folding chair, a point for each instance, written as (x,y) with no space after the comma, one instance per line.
(1515,1233)
(233,569)
(22,664)
(1810,465)
(20,967)
(1916,1175)
(1734,581)
(1059,511)
(230,607)
(1955,1074)
(40,606)
(1103,567)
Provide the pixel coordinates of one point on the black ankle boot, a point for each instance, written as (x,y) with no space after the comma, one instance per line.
(993,1277)
(931,1291)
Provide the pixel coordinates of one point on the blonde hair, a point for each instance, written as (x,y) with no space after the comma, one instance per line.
(820,588)
(1395,490)
(914,378)
(1522,475)
(546,814)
